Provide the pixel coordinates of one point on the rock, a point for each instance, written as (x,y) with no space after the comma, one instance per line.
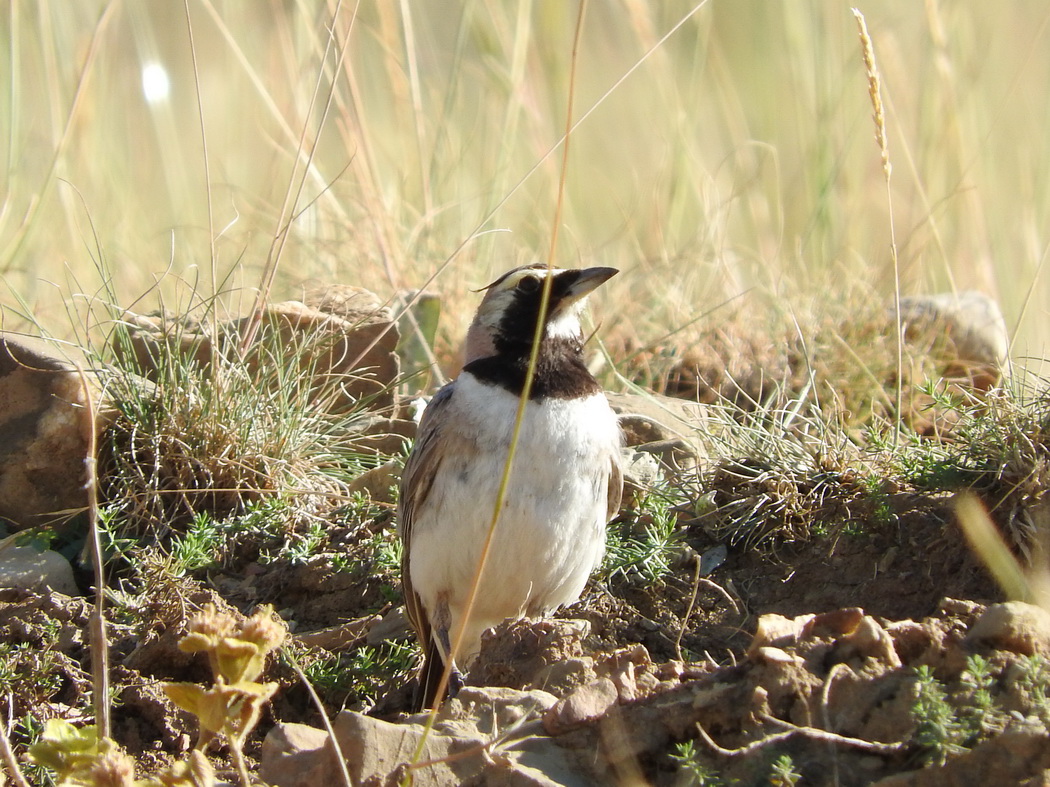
(564,675)
(378,483)
(675,430)
(1014,626)
(1014,757)
(586,704)
(357,350)
(297,755)
(372,749)
(29,569)
(342,339)
(641,472)
(455,751)
(338,637)
(489,709)
(394,625)
(774,630)
(150,338)
(385,436)
(870,640)
(44,430)
(971,320)
(849,631)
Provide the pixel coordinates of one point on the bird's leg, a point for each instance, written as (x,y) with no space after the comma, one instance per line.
(442,624)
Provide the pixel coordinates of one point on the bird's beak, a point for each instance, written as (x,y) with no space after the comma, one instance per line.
(587,280)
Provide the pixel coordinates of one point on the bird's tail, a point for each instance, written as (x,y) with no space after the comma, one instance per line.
(426,693)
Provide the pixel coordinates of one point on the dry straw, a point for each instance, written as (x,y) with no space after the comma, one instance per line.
(875,94)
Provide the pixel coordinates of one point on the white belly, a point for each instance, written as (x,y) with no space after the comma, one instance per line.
(551,532)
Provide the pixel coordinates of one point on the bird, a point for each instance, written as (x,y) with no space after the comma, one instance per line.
(565,484)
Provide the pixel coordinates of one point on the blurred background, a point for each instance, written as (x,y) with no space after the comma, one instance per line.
(176,148)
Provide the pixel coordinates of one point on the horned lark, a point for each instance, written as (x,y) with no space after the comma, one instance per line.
(565,482)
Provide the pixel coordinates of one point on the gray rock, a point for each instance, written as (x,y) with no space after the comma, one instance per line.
(587,703)
(509,749)
(29,569)
(676,431)
(972,320)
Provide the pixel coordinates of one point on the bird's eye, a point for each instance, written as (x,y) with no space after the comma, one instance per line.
(528,285)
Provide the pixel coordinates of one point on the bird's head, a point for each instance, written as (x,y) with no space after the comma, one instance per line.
(506,319)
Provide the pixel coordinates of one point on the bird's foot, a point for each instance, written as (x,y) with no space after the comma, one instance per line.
(455,681)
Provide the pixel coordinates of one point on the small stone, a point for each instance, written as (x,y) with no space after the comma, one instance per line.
(1014,626)
(873,641)
(972,320)
(777,630)
(29,569)
(771,655)
(564,675)
(378,483)
(587,703)
(653,419)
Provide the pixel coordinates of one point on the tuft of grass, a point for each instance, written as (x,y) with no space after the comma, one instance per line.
(216,437)
(360,677)
(646,545)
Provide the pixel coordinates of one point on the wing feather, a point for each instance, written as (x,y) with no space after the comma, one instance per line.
(416,482)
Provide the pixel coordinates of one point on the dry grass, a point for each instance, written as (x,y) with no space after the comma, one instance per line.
(735,162)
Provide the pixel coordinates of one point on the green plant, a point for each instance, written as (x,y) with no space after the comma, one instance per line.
(1034,686)
(376,668)
(937,730)
(306,545)
(782,772)
(692,770)
(978,680)
(646,544)
(199,546)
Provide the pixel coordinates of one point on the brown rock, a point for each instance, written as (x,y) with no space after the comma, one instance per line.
(872,641)
(518,653)
(378,483)
(776,630)
(355,349)
(375,751)
(1011,758)
(587,703)
(44,430)
(489,709)
(1014,626)
(342,339)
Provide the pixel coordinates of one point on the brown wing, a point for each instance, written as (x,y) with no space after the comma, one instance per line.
(416,481)
(615,480)
(615,488)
